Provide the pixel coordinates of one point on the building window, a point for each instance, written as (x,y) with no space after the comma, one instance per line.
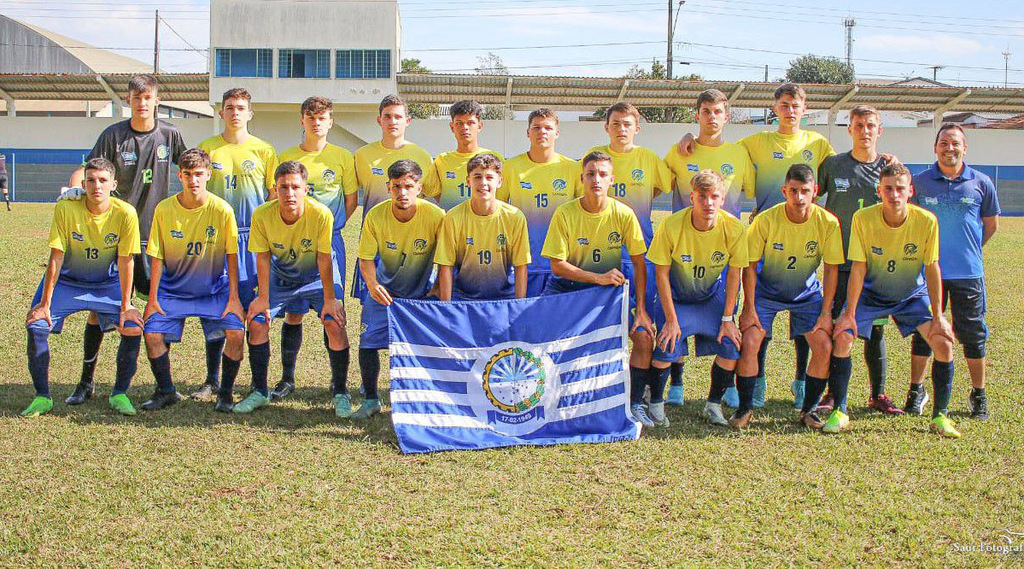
(244,63)
(363,64)
(304,63)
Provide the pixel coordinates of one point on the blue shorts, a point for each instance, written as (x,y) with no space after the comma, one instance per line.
(703,320)
(338,268)
(651,298)
(296,298)
(909,314)
(247,281)
(373,329)
(802,315)
(102,298)
(207,309)
(359,289)
(536,282)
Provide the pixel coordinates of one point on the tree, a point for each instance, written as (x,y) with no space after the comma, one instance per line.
(813,69)
(419,110)
(659,114)
(491,64)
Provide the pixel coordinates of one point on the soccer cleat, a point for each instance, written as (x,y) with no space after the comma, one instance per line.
(713,413)
(82,392)
(741,420)
(798,388)
(640,414)
(760,386)
(827,404)
(916,400)
(39,406)
(205,393)
(731,397)
(122,404)
(977,404)
(369,408)
(675,395)
(943,426)
(282,389)
(656,413)
(343,405)
(225,403)
(837,421)
(884,405)
(161,399)
(252,402)
(811,420)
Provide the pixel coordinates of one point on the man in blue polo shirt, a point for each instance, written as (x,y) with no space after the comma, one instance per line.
(964,201)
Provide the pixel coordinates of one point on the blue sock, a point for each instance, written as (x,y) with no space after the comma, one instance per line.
(839,380)
(259,361)
(657,378)
(161,367)
(214,350)
(676,373)
(291,341)
(815,386)
(942,383)
(721,379)
(127,363)
(39,359)
(637,382)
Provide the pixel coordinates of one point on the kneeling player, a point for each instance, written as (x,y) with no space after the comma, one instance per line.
(91,268)
(483,248)
(699,252)
(396,259)
(291,237)
(890,244)
(193,250)
(585,244)
(787,243)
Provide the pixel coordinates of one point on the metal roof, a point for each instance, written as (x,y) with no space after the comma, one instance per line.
(100,86)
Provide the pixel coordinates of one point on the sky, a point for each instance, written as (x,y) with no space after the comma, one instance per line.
(716,39)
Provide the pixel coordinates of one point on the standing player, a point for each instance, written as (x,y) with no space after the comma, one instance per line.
(483,247)
(332,181)
(965,202)
(92,247)
(3,179)
(192,247)
(848,182)
(243,175)
(396,258)
(699,253)
(538,182)
(787,243)
(291,236)
(585,245)
(710,151)
(450,167)
(142,149)
(894,247)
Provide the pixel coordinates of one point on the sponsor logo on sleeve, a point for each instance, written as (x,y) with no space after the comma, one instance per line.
(526,185)
(377,171)
(216,165)
(777,246)
(177,234)
(469,241)
(876,250)
(77,236)
(684,258)
(583,241)
(777,155)
(842,184)
(450,175)
(693,168)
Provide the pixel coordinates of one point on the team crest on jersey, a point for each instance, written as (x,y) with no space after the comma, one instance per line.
(216,165)
(469,241)
(450,175)
(377,171)
(501,240)
(526,185)
(177,234)
(614,238)
(807,154)
(727,169)
(777,155)
(391,245)
(559,184)
(717,258)
(777,246)
(211,232)
(419,245)
(307,245)
(583,241)
(110,239)
(162,152)
(637,175)
(292,256)
(842,184)
(693,168)
(910,249)
(811,248)
(248,166)
(328,176)
(77,236)
(685,258)
(876,250)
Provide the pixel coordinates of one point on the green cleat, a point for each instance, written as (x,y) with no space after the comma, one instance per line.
(343,405)
(369,408)
(252,402)
(943,426)
(39,406)
(837,421)
(122,404)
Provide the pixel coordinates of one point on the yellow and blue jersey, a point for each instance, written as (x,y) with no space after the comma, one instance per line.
(538,190)
(241,174)
(404,251)
(730,160)
(293,248)
(92,243)
(792,252)
(773,153)
(372,163)
(895,256)
(331,177)
(699,260)
(450,169)
(483,250)
(640,175)
(593,242)
(193,244)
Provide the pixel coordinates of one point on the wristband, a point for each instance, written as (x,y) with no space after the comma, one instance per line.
(730,318)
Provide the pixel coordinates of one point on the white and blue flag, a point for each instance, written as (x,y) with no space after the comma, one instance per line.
(533,371)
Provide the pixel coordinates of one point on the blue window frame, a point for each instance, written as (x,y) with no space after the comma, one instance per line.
(363,64)
(304,63)
(244,62)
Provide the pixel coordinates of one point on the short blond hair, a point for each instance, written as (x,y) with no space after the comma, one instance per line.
(707,180)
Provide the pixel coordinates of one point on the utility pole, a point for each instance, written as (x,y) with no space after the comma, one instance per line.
(935,71)
(766,80)
(669,112)
(849,23)
(1006,68)
(156,43)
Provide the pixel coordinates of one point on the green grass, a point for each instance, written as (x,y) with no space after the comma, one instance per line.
(293,485)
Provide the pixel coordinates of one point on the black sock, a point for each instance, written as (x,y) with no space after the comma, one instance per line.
(812,392)
(339,369)
(915,387)
(745,388)
(369,368)
(676,373)
(214,351)
(259,361)
(657,378)
(721,379)
(762,353)
(161,367)
(637,383)
(291,341)
(942,382)
(839,380)
(230,366)
(39,359)
(877,361)
(91,341)
(803,354)
(127,363)
(978,391)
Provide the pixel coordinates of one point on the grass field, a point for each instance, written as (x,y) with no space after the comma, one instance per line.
(291,485)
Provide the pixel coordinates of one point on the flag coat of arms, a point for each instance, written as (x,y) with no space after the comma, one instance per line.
(533,371)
